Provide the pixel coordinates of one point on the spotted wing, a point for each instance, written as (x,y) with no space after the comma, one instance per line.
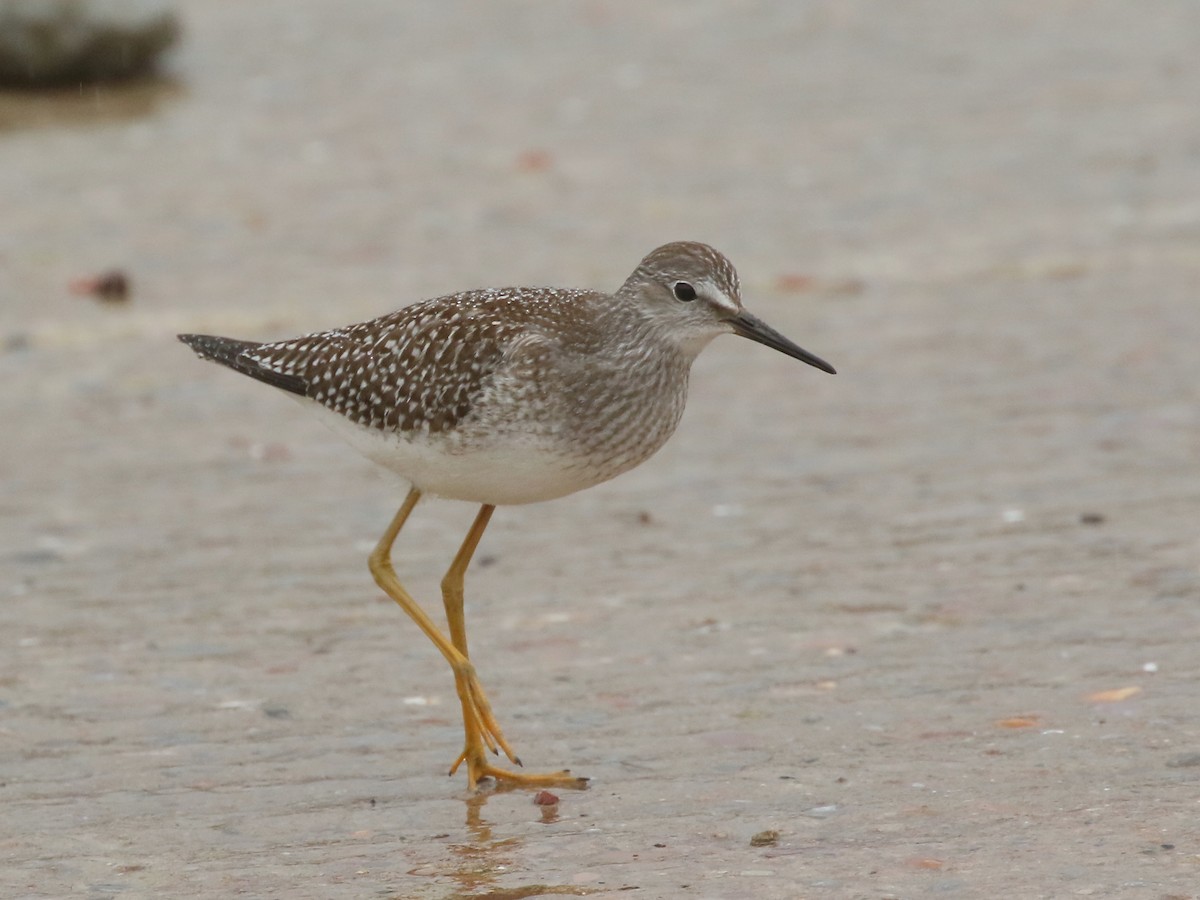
(421,368)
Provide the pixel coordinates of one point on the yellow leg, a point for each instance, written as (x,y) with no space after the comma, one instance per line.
(482,730)
(478,721)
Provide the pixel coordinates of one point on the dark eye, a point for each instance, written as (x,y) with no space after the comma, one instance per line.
(684,292)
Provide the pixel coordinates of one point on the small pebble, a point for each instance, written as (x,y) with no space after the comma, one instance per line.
(768,838)
(107,287)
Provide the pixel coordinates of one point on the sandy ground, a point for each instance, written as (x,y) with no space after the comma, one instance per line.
(933,621)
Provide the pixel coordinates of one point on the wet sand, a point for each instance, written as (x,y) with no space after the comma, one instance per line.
(934,621)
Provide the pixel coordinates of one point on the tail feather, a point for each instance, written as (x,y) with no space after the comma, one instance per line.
(234,354)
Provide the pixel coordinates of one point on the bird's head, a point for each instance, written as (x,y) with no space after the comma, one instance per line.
(689,292)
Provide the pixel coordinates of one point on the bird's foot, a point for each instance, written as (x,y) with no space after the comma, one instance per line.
(483,733)
(479,721)
(478,769)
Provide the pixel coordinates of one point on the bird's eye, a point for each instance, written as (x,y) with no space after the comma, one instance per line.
(684,291)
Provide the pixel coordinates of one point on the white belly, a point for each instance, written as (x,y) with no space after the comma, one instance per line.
(519,469)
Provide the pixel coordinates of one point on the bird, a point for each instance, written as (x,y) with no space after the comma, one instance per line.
(509,396)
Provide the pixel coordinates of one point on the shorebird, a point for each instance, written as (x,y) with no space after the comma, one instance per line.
(509,395)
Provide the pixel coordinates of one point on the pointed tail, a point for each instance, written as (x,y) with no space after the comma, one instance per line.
(236,355)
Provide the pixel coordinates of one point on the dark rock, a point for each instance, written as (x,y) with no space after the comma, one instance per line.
(58,42)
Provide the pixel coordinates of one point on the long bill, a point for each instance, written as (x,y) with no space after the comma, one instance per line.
(750,326)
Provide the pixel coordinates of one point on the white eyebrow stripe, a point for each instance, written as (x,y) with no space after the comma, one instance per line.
(719,298)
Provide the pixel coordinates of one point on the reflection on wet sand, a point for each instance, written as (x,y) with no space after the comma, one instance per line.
(483,859)
(84,105)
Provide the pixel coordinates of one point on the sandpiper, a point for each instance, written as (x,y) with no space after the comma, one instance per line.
(509,395)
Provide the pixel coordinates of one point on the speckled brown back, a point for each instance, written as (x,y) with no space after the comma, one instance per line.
(422,367)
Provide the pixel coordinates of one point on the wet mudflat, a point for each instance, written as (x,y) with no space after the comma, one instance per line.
(925,628)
